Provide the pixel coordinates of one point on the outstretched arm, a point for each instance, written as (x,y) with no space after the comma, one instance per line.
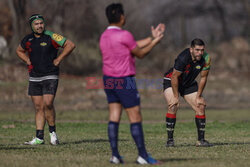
(155,33)
(68,47)
(144,42)
(146,45)
(142,52)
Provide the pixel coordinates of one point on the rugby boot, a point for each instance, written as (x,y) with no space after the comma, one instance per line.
(34,141)
(203,143)
(116,160)
(150,160)
(170,143)
(53,139)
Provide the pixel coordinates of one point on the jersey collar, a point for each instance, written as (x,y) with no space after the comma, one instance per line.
(113,27)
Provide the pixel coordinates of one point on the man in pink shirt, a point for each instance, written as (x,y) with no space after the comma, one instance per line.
(119,50)
(116,45)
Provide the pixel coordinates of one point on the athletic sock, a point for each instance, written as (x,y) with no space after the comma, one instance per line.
(52,129)
(200,121)
(137,134)
(113,137)
(40,134)
(170,124)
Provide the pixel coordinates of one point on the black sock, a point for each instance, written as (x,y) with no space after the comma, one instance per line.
(200,121)
(113,128)
(137,134)
(52,129)
(170,124)
(40,134)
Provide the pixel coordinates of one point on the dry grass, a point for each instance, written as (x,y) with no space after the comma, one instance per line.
(84,140)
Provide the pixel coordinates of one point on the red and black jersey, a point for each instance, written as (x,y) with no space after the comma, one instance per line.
(189,69)
(42,51)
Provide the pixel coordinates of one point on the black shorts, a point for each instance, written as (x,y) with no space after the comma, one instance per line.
(125,93)
(43,87)
(182,90)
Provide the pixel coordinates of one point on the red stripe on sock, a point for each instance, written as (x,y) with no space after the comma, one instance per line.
(171,115)
(200,116)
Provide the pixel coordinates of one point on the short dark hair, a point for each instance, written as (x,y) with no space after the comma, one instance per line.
(114,12)
(198,42)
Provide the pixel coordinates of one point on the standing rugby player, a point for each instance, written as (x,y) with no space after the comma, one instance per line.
(181,80)
(41,47)
(119,50)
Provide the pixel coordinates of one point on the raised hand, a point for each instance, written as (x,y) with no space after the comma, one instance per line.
(161,28)
(158,31)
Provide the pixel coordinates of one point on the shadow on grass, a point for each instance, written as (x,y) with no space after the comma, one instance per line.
(233,143)
(88,141)
(184,145)
(15,148)
(215,144)
(180,159)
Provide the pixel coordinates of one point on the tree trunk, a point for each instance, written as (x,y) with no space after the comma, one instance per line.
(17,9)
(13,41)
(222,17)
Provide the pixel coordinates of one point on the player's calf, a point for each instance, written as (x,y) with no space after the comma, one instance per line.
(200,121)
(170,124)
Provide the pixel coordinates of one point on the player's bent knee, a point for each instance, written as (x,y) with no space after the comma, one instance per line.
(49,106)
(200,110)
(173,109)
(39,108)
(202,107)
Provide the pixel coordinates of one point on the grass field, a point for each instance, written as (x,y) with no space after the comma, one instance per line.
(84,142)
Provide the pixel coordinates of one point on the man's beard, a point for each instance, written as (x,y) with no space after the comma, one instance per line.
(197,58)
(39,33)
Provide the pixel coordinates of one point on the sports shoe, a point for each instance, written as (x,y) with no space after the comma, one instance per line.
(34,141)
(203,143)
(170,143)
(53,138)
(116,160)
(149,160)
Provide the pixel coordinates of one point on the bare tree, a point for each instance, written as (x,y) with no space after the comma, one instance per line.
(17,8)
(222,17)
(246,31)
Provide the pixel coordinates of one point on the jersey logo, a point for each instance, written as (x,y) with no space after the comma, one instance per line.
(198,67)
(57,37)
(43,44)
(30,39)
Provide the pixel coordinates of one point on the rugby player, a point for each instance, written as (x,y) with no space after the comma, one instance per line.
(41,47)
(119,49)
(181,80)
